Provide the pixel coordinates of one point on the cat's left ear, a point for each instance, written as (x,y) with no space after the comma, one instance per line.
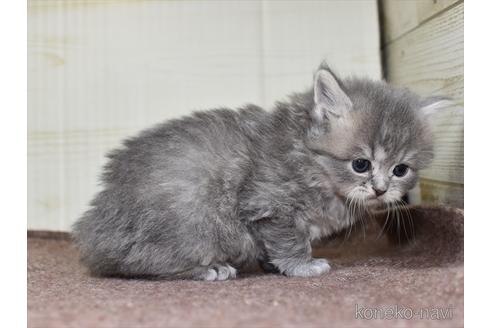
(329,97)
(433,104)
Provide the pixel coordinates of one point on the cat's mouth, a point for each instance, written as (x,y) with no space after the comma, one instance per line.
(371,203)
(367,200)
(374,203)
(378,203)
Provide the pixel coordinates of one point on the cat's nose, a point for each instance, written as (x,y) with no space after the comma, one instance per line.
(379,192)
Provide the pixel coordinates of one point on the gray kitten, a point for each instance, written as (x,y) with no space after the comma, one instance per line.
(202,196)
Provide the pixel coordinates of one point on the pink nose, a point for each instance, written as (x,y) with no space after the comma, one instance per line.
(379,192)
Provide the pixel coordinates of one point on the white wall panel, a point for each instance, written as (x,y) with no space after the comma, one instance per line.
(99,71)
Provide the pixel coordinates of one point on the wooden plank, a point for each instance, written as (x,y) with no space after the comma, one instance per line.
(402,16)
(399,17)
(429,60)
(437,192)
(443,193)
(429,8)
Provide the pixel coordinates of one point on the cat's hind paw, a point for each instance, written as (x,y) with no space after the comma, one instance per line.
(313,268)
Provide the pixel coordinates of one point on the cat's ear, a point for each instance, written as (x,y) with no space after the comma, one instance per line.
(329,97)
(432,105)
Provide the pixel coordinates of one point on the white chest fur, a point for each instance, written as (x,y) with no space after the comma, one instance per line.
(328,219)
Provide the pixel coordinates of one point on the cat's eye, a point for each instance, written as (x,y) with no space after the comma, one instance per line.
(400,170)
(361,165)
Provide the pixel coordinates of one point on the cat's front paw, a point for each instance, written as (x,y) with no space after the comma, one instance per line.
(220,272)
(313,268)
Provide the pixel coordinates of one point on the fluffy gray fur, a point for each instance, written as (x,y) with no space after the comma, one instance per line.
(202,196)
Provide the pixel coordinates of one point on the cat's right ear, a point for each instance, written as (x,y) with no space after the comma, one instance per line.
(329,97)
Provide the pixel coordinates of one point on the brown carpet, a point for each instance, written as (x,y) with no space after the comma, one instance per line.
(373,282)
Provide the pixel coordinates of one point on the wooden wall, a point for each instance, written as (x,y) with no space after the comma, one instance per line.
(423,49)
(100,70)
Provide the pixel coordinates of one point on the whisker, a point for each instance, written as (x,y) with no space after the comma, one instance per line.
(404,223)
(352,213)
(409,219)
(346,206)
(398,228)
(349,207)
(363,217)
(385,221)
(356,213)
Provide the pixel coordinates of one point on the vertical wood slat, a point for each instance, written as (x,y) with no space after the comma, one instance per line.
(402,16)
(429,60)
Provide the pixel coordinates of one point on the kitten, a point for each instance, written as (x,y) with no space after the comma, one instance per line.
(202,196)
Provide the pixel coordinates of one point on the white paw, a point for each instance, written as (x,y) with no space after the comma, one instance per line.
(221,272)
(210,275)
(313,268)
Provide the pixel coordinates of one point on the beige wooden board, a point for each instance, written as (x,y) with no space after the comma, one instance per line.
(438,193)
(442,193)
(429,60)
(402,16)
(99,71)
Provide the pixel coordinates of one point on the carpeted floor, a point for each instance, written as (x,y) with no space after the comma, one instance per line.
(373,282)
